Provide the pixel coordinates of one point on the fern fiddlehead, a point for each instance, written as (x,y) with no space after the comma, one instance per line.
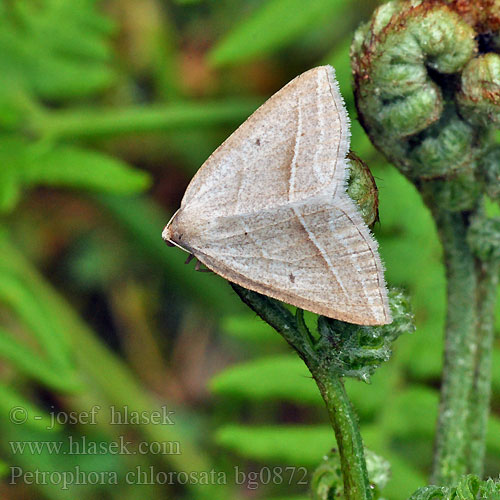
(427,87)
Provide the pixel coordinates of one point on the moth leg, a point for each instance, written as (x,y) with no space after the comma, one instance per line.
(189,259)
(198,268)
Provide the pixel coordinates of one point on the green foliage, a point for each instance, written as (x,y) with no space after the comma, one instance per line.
(489,170)
(461,193)
(410,117)
(362,189)
(247,329)
(272,26)
(57,50)
(404,264)
(300,445)
(12,399)
(26,164)
(187,115)
(398,409)
(291,498)
(479,95)
(141,219)
(326,482)
(88,91)
(357,351)
(469,488)
(53,50)
(115,386)
(82,169)
(407,62)
(52,366)
(484,238)
(282,377)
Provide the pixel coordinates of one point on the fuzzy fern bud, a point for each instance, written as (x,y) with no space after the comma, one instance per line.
(489,170)
(483,237)
(362,189)
(327,482)
(427,88)
(357,351)
(469,488)
(479,97)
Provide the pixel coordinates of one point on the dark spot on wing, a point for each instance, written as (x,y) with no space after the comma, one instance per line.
(292,278)
(257,142)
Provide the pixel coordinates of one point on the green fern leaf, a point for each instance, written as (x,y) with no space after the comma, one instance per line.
(284,378)
(273,25)
(74,167)
(295,445)
(469,488)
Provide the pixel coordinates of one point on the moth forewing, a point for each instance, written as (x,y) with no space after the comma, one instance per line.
(269,209)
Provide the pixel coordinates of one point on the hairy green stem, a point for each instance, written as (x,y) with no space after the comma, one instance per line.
(423,80)
(345,425)
(96,123)
(281,319)
(481,390)
(450,456)
(341,413)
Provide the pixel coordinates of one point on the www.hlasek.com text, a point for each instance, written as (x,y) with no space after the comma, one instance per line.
(83,446)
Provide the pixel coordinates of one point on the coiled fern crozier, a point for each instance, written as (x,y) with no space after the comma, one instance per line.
(427,88)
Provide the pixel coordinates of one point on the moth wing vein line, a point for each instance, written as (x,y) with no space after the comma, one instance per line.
(321,250)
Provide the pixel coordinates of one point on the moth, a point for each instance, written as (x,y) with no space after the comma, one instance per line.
(268,210)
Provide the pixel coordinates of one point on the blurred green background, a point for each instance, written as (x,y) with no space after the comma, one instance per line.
(107,109)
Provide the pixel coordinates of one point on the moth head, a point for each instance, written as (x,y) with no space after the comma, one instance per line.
(172,234)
